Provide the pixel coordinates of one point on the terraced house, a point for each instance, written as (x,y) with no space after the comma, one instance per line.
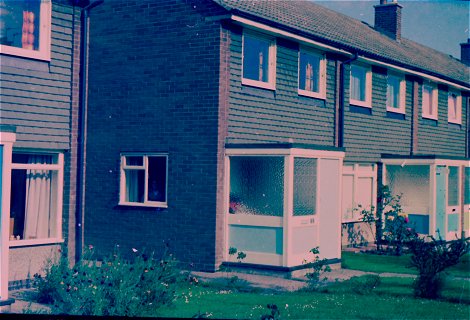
(39,71)
(261,125)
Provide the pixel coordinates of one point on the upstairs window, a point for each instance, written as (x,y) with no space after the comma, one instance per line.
(396,93)
(361,86)
(311,74)
(429,102)
(454,111)
(144,180)
(259,60)
(25,28)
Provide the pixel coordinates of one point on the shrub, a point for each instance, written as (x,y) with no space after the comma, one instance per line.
(319,267)
(114,286)
(365,285)
(431,258)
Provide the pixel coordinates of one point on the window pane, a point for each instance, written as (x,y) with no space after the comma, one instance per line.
(348,200)
(33,158)
(305,177)
(453,189)
(358,83)
(309,72)
(33,213)
(467,185)
(256,58)
(135,161)
(135,184)
(257,185)
(393,92)
(157,179)
(427,100)
(413,183)
(452,106)
(19,23)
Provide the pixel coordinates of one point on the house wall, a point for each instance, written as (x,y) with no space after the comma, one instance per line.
(154,87)
(258,115)
(38,100)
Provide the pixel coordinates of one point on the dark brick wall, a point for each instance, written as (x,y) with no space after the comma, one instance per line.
(154,87)
(388,20)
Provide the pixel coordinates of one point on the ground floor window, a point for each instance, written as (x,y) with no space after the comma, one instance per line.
(36,196)
(144,179)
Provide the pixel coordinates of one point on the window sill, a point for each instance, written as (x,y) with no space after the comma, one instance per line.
(430,117)
(456,122)
(259,84)
(34,242)
(143,205)
(311,94)
(395,110)
(359,103)
(23,53)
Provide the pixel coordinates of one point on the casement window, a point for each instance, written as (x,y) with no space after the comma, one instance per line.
(144,180)
(259,60)
(25,28)
(359,190)
(396,93)
(429,101)
(312,70)
(36,197)
(361,86)
(454,107)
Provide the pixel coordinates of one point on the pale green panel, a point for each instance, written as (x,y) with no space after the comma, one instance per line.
(453,190)
(305,181)
(440,200)
(453,222)
(467,185)
(256,239)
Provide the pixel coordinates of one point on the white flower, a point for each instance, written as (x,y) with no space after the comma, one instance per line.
(134,250)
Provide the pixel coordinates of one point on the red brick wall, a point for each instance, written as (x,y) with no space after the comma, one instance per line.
(154,87)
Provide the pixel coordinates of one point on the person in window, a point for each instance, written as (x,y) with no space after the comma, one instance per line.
(154,192)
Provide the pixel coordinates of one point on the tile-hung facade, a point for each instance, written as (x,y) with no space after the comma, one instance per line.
(261,125)
(39,71)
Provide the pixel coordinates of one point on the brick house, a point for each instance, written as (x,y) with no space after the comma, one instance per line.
(39,46)
(260,125)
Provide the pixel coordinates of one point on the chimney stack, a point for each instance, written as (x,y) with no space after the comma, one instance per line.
(388,19)
(465,52)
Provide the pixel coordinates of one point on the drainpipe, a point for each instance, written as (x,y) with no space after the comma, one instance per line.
(341,101)
(82,131)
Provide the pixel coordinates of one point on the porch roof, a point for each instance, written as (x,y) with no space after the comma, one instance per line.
(282,145)
(423,157)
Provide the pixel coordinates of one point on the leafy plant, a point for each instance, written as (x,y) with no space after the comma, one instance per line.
(365,285)
(431,258)
(274,313)
(114,286)
(319,268)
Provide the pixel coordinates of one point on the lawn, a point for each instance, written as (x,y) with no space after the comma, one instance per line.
(391,299)
(395,264)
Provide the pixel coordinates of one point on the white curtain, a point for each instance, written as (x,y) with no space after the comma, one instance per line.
(132,186)
(38,201)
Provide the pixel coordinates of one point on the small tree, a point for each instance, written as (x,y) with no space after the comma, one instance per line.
(431,258)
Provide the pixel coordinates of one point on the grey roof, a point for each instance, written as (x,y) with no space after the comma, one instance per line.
(324,25)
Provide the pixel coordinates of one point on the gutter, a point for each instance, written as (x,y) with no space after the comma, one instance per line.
(82,129)
(341,100)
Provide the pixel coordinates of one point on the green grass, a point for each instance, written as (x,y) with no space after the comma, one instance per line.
(392,299)
(395,264)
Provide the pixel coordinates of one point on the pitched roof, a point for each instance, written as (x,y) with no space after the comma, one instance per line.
(324,25)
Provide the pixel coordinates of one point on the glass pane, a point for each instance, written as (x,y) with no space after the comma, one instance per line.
(135,184)
(347,203)
(393,92)
(413,183)
(467,185)
(24,158)
(452,106)
(305,178)
(135,161)
(19,23)
(257,185)
(309,72)
(453,187)
(157,179)
(33,212)
(358,83)
(427,99)
(364,192)
(256,58)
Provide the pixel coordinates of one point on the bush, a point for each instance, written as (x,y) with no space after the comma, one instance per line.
(114,286)
(364,285)
(319,267)
(431,258)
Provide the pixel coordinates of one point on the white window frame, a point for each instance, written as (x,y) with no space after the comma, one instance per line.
(435,108)
(358,171)
(458,116)
(321,94)
(402,101)
(367,103)
(44,52)
(145,166)
(271,84)
(59,168)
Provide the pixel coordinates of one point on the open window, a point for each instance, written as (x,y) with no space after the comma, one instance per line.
(25,28)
